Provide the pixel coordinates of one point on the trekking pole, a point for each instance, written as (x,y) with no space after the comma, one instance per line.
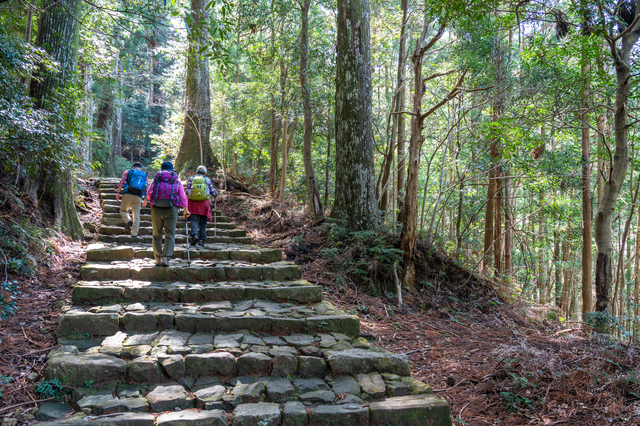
(186,223)
(215,220)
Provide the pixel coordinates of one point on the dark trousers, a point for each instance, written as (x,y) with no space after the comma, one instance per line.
(198,225)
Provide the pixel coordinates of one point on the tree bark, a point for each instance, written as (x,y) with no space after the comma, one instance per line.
(58,32)
(195,148)
(315,205)
(400,126)
(508,228)
(326,168)
(587,286)
(611,190)
(355,197)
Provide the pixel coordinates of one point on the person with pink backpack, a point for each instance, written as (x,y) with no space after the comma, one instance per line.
(166,196)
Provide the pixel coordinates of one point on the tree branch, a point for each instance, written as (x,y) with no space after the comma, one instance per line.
(447,98)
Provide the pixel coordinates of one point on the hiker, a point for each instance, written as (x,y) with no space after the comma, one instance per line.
(166,196)
(199,189)
(134,183)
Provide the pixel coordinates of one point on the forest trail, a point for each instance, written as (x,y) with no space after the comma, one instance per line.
(235,337)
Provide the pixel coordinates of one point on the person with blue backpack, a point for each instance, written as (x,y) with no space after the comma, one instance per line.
(134,184)
(166,196)
(199,190)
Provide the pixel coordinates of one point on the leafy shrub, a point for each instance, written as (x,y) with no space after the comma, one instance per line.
(366,258)
(3,381)
(8,295)
(51,389)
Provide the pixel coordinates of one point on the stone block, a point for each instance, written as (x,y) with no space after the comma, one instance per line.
(310,366)
(96,295)
(279,389)
(209,396)
(140,322)
(193,418)
(174,366)
(294,413)
(253,364)
(285,365)
(74,370)
(210,364)
(355,361)
(339,415)
(135,405)
(169,397)
(347,324)
(145,369)
(259,414)
(415,410)
(346,385)
(83,323)
(52,411)
(372,384)
(302,294)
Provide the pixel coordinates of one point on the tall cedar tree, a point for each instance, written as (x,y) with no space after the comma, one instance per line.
(195,148)
(58,32)
(355,197)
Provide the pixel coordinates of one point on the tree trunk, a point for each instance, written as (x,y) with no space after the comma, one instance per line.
(285,158)
(195,148)
(410,218)
(58,32)
(402,52)
(612,187)
(89,107)
(542,282)
(557,268)
(587,286)
(315,206)
(508,228)
(326,169)
(566,283)
(355,198)
(636,279)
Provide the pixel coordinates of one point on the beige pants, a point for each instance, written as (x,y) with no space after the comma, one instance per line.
(134,203)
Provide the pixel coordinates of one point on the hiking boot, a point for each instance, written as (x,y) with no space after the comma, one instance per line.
(158,263)
(135,237)
(128,226)
(165,262)
(201,244)
(193,241)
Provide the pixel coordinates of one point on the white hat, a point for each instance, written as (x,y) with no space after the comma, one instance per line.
(201,170)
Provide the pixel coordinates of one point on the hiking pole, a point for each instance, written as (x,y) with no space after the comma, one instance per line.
(215,220)
(186,228)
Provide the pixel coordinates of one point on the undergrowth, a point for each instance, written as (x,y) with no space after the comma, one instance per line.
(24,245)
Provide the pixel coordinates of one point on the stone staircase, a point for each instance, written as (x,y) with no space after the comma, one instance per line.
(236,338)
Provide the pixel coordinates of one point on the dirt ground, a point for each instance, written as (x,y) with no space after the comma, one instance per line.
(500,366)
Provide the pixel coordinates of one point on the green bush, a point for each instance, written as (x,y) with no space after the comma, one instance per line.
(8,295)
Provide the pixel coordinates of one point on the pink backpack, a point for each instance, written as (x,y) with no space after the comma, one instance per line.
(166,191)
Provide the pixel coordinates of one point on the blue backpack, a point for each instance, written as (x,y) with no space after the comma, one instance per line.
(136,182)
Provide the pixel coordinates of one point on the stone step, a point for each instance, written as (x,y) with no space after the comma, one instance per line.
(199,271)
(131,405)
(147,217)
(225,355)
(145,231)
(118,221)
(129,291)
(260,315)
(107,252)
(180,239)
